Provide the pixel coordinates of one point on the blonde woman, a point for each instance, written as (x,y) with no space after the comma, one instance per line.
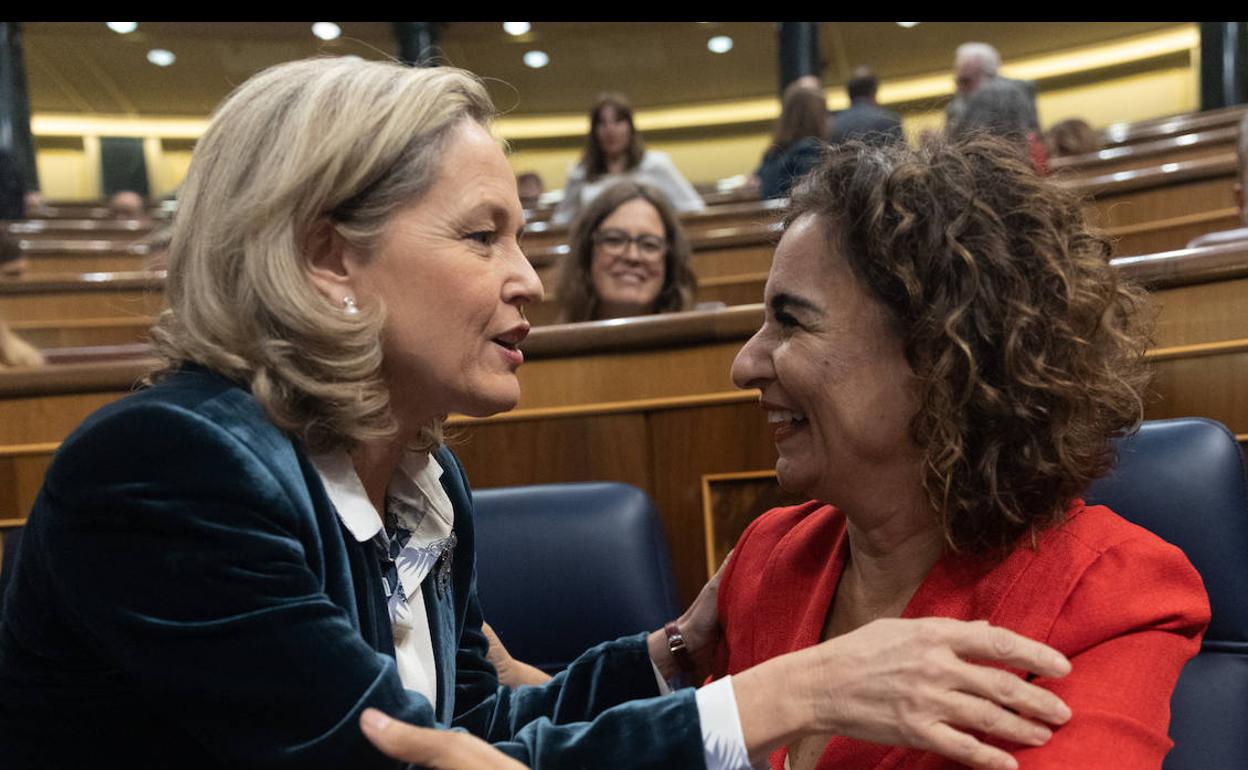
(231,567)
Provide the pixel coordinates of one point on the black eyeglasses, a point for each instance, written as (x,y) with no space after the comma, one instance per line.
(615,242)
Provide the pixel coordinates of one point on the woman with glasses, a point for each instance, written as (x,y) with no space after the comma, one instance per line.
(629,256)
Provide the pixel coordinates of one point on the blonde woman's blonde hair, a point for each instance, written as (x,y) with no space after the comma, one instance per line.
(330,139)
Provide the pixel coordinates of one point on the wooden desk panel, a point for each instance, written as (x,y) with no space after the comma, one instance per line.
(1204,312)
(85,262)
(84,332)
(82,304)
(1157,204)
(1172,232)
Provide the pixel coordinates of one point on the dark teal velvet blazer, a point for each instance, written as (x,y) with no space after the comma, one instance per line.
(185,596)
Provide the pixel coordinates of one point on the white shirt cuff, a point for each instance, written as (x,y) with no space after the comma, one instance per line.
(723,742)
(722,739)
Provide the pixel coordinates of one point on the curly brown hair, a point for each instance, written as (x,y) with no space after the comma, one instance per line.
(1026,344)
(576,287)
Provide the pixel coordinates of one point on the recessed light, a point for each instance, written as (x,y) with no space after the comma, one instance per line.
(908,24)
(326,30)
(516,27)
(123,27)
(720,44)
(536,59)
(160,57)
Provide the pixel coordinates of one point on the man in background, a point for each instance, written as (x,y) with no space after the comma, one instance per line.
(975,64)
(865,119)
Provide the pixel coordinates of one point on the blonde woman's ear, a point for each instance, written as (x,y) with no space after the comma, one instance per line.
(326,258)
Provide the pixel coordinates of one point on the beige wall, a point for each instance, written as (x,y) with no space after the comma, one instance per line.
(64,174)
(1148,90)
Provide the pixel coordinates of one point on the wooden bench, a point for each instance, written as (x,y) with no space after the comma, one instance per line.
(1171,125)
(89,295)
(70,229)
(1171,149)
(83,256)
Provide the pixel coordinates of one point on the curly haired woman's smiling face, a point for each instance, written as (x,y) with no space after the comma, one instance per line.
(834,379)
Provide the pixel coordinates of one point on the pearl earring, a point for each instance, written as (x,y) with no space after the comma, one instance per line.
(349,307)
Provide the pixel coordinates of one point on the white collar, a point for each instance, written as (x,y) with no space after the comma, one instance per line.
(418,475)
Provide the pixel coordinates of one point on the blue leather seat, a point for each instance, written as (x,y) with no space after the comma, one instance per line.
(1184,480)
(562,567)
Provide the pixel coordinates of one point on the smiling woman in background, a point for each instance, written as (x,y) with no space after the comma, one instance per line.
(629,256)
(613,151)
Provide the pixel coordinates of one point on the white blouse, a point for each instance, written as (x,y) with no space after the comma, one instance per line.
(416,498)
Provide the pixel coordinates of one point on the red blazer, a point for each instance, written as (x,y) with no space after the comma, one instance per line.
(1126,607)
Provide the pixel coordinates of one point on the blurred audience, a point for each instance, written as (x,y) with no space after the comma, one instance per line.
(1241,196)
(530,187)
(1001,109)
(16,352)
(35,204)
(797,141)
(974,66)
(614,150)
(629,256)
(1072,136)
(13,262)
(864,119)
(12,188)
(127,204)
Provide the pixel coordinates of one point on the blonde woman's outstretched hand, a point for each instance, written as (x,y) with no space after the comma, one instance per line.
(434,749)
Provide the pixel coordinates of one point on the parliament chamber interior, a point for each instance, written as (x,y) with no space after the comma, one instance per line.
(632,462)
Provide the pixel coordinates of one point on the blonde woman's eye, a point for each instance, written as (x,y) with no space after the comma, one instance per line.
(483,237)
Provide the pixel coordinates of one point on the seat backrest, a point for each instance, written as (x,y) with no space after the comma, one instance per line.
(1184,480)
(562,567)
(8,557)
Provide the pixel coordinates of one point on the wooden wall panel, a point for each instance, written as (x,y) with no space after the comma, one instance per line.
(47,418)
(733,260)
(1160,203)
(1203,312)
(611,447)
(21,474)
(40,264)
(1171,233)
(84,332)
(1213,386)
(82,304)
(626,376)
(687,444)
(730,501)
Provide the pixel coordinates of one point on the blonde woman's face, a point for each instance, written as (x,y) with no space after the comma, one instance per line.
(453,281)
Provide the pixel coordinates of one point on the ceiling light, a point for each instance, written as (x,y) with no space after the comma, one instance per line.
(326,30)
(122,27)
(160,57)
(536,59)
(908,24)
(516,27)
(720,44)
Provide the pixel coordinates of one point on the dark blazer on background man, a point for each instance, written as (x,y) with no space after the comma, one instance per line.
(866,122)
(186,596)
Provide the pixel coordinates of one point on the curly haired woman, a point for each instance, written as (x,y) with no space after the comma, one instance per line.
(946,357)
